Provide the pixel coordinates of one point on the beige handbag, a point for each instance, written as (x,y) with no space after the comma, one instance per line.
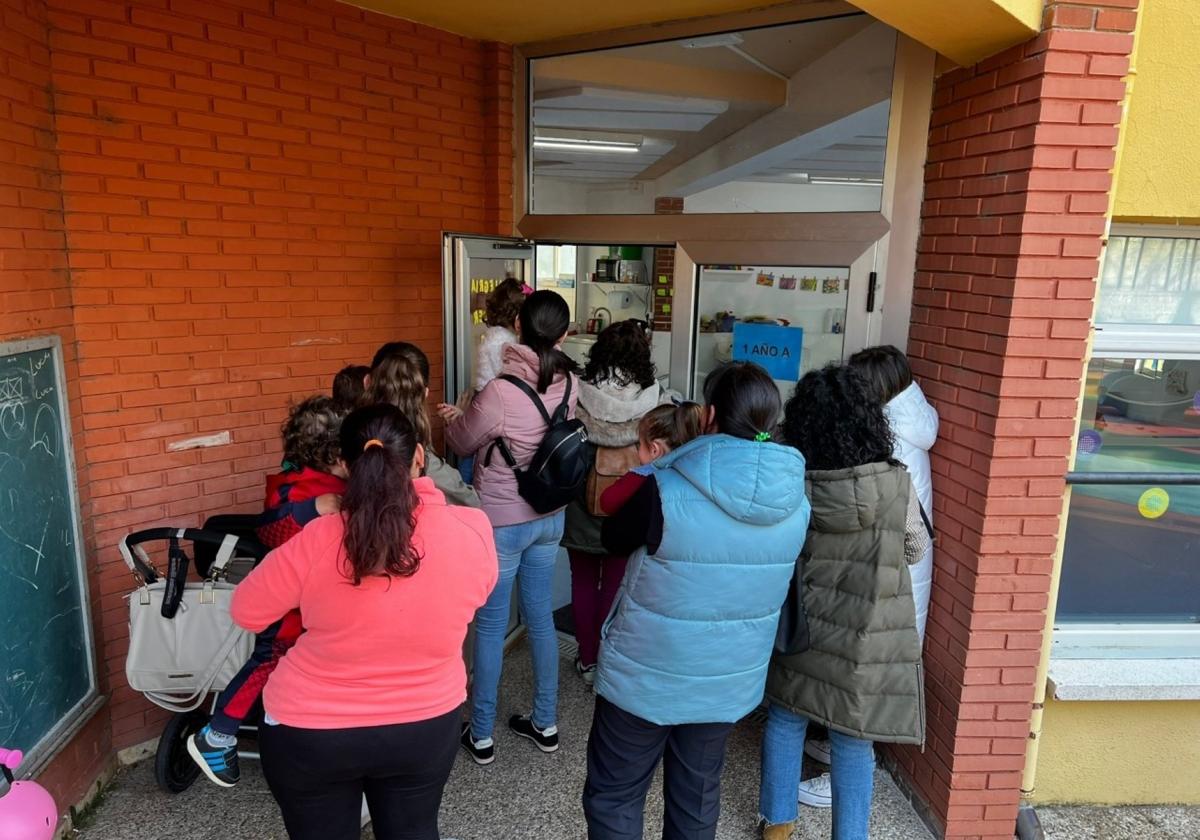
(176,662)
(609,465)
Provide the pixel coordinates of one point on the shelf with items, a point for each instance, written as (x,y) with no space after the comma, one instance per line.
(613,285)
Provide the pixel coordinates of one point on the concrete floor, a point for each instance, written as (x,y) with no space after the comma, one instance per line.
(525,794)
(529,796)
(1154,822)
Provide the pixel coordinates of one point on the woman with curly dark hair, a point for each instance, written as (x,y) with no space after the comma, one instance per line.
(861,675)
(616,391)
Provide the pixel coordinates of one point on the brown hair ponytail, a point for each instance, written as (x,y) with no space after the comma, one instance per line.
(675,425)
(399,381)
(380,503)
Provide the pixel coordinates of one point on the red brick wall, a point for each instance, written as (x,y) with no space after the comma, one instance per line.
(254,192)
(1016,193)
(35,292)
(664,266)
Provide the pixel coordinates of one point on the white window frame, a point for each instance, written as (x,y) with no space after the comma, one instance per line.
(1144,640)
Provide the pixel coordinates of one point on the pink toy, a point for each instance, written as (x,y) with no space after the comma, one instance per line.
(27,811)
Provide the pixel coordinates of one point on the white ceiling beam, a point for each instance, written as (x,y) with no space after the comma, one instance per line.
(830,101)
(612,72)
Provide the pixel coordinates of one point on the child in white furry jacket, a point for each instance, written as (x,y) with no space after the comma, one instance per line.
(503,306)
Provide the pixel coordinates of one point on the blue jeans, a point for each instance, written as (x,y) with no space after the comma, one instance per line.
(852,766)
(527,553)
(466,468)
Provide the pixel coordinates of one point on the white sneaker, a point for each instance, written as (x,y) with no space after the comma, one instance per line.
(364,818)
(816,792)
(818,749)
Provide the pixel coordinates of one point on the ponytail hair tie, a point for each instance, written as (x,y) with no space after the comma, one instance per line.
(762,437)
(372,443)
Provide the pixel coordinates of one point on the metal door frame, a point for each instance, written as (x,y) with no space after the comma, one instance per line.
(455,344)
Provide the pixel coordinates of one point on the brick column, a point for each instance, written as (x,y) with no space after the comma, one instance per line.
(498,136)
(664,266)
(1016,192)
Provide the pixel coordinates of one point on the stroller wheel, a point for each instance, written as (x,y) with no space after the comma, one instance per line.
(174,769)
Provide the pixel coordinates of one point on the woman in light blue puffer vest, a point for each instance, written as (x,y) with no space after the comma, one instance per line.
(714,535)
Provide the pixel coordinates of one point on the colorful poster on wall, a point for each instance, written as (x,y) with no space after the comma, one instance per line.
(787,283)
(775,348)
(808,284)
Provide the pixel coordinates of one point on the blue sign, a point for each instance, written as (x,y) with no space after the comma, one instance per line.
(775,348)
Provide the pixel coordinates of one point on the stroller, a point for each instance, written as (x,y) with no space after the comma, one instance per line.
(231,535)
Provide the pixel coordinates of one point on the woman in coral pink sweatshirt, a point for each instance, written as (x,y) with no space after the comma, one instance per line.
(368,700)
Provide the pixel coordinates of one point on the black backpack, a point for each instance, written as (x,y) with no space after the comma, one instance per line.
(563,459)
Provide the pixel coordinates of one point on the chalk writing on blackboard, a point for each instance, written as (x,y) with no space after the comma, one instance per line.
(46,671)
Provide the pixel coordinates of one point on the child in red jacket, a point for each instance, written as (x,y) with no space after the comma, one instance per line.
(310,484)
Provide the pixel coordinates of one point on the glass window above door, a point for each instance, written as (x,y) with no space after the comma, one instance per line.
(783,119)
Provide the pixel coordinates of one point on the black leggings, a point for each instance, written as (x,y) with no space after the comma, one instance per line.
(319,776)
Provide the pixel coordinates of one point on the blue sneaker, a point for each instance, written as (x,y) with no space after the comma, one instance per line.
(219,763)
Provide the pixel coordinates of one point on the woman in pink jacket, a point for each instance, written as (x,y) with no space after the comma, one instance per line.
(368,700)
(526,541)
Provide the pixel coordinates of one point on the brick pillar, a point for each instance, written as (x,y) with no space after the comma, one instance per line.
(664,266)
(498,137)
(1016,192)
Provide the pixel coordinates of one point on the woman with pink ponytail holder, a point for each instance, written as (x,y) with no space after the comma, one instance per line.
(27,811)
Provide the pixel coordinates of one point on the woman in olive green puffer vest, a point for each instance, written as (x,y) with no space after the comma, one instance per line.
(861,675)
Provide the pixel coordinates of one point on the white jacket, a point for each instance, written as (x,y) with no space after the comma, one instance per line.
(490,358)
(914,422)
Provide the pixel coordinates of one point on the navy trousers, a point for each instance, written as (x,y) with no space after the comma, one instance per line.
(623,752)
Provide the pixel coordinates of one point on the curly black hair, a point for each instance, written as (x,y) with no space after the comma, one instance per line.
(836,420)
(621,353)
(310,433)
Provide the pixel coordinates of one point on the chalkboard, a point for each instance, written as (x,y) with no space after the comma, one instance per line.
(46,659)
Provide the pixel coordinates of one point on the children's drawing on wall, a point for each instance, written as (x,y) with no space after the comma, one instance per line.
(787,283)
(808,284)
(765,279)
(831,285)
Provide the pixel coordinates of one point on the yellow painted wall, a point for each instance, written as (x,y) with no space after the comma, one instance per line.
(1159,178)
(975,30)
(527,21)
(1117,753)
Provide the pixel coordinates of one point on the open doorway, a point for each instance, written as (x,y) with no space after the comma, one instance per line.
(602,284)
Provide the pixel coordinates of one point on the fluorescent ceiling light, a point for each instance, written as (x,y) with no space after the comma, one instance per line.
(572,144)
(727,39)
(847,182)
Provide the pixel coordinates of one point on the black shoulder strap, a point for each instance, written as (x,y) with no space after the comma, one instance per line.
(529,392)
(560,413)
(925,517)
